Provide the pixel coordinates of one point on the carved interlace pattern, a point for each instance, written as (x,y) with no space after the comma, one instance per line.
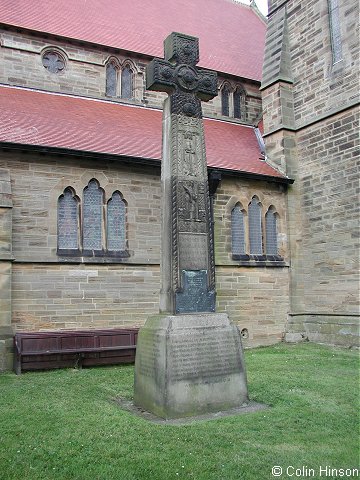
(185,84)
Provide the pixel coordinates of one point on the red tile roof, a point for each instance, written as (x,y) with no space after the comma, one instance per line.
(29,117)
(232,36)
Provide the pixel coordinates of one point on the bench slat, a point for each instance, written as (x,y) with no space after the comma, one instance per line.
(77,350)
(82,342)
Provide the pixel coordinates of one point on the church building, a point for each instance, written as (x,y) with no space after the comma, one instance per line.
(80,157)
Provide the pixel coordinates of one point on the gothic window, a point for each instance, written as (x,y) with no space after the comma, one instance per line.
(116,223)
(119,80)
(225,94)
(335,31)
(126,82)
(237,231)
(97,234)
(68,221)
(255,230)
(93,201)
(252,243)
(239,103)
(111,79)
(53,61)
(271,232)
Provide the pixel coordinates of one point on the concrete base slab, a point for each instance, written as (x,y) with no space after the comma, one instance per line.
(188,365)
(129,406)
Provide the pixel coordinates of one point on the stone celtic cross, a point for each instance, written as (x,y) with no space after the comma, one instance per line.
(187,257)
(177,75)
(181,366)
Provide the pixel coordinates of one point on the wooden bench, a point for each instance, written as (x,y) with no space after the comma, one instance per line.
(44,350)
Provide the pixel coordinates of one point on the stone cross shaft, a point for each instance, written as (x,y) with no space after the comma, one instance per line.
(187,257)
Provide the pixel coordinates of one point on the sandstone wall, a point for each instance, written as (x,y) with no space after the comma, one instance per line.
(311,120)
(85,72)
(45,291)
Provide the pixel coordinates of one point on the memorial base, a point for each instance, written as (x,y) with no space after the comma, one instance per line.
(188,365)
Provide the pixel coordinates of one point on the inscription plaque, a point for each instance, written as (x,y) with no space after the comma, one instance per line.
(195,295)
(193,251)
(150,353)
(203,356)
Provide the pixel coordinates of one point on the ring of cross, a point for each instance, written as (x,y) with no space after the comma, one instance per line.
(187,77)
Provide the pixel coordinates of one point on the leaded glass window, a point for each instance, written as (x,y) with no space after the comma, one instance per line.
(126,82)
(255,231)
(225,93)
(116,226)
(335,30)
(237,231)
(271,232)
(68,221)
(93,216)
(111,79)
(239,103)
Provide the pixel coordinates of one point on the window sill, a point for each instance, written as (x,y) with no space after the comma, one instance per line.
(260,260)
(89,254)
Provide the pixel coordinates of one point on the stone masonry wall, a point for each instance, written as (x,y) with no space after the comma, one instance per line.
(6,329)
(256,298)
(319,87)
(325,294)
(90,293)
(51,292)
(85,72)
(320,150)
(55,297)
(38,181)
(233,190)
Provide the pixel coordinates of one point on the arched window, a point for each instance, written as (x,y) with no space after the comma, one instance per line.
(116,223)
(68,221)
(255,230)
(96,234)
(93,201)
(111,79)
(271,232)
(126,82)
(335,30)
(239,104)
(237,230)
(225,93)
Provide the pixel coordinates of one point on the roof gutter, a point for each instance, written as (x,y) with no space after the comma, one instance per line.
(44,150)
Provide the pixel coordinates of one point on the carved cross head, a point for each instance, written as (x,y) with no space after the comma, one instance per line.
(178,75)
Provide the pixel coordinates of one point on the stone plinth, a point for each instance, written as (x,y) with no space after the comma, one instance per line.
(188,365)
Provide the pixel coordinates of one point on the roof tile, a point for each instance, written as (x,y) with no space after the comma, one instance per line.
(232,36)
(30,117)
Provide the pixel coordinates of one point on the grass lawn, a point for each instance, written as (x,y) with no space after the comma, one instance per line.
(64,424)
